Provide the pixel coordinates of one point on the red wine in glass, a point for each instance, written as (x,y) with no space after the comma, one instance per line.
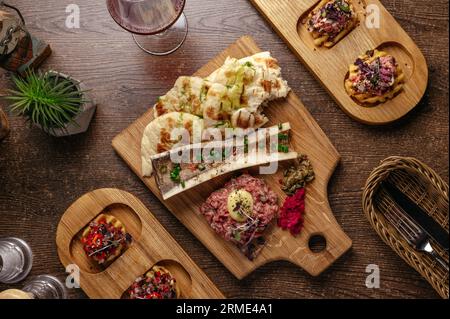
(159,27)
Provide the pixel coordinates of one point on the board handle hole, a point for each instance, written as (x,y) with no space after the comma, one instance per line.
(317,243)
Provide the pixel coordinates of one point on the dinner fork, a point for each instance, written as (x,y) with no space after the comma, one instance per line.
(414,234)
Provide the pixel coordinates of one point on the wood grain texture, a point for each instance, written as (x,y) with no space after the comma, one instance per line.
(152,245)
(331,65)
(4,125)
(307,138)
(41,176)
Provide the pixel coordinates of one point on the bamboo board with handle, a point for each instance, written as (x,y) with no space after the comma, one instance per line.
(151,245)
(331,65)
(307,138)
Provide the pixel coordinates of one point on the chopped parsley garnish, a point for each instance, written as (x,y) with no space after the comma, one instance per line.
(175,173)
(283,148)
(225,124)
(246,144)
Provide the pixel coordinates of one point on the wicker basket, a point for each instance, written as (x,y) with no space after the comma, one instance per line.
(426,189)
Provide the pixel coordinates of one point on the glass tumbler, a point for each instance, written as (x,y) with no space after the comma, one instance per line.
(16,259)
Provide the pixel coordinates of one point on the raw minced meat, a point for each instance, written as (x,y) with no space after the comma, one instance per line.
(248,234)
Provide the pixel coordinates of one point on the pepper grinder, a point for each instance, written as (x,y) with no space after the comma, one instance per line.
(19,50)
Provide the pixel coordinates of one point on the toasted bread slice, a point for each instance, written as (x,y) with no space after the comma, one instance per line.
(117,224)
(325,39)
(368,98)
(163,270)
(154,286)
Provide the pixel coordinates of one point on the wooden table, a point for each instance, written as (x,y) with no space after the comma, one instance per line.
(41,176)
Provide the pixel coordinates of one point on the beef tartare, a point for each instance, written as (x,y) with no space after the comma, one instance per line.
(241,211)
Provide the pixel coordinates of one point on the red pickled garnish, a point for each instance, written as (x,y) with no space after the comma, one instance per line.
(291,214)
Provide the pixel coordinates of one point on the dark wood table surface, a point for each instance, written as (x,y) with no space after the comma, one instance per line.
(41,176)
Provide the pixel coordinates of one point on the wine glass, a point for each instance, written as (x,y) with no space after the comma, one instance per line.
(159,27)
(16,259)
(40,287)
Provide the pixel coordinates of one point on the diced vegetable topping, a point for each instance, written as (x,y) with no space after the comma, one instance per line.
(103,240)
(331,19)
(156,285)
(375,76)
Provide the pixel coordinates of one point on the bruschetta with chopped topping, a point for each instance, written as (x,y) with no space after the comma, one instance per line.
(104,239)
(330,21)
(158,283)
(374,78)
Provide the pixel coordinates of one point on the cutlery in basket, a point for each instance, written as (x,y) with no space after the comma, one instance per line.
(414,234)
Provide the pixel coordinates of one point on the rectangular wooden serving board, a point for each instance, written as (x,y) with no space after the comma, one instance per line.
(307,138)
(151,245)
(331,65)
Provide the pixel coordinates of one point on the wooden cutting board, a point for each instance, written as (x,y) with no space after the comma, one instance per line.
(307,138)
(151,245)
(330,66)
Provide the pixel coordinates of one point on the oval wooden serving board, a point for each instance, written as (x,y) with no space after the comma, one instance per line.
(307,138)
(330,66)
(151,245)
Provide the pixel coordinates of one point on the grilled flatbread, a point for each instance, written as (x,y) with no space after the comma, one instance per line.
(257,76)
(157,135)
(232,96)
(186,96)
(367,96)
(248,83)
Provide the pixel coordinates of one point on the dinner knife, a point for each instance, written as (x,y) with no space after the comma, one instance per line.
(418,215)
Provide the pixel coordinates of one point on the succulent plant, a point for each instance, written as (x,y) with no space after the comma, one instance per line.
(46,99)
